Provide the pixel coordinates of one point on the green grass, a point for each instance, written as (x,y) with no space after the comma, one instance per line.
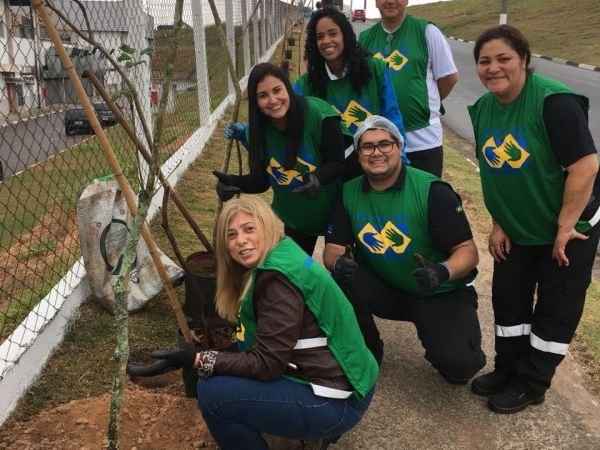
(587,349)
(465,179)
(562,29)
(59,181)
(567,30)
(67,377)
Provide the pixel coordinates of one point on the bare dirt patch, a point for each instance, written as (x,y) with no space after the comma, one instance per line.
(149,420)
(54,237)
(52,241)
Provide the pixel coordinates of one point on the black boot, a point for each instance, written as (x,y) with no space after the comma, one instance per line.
(514,398)
(490,383)
(318,444)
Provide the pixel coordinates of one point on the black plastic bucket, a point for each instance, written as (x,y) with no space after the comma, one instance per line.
(200,286)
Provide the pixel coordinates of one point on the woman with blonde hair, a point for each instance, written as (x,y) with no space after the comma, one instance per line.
(303,370)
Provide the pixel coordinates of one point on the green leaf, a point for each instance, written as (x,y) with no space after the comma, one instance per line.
(126,49)
(124,57)
(147,51)
(115,96)
(127,93)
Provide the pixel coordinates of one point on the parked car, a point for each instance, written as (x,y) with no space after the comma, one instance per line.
(359,14)
(105,115)
(76,121)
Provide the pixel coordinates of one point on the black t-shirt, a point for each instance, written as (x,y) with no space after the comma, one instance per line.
(566,120)
(446,228)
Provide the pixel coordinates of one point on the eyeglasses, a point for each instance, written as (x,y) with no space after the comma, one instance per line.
(388,47)
(368,148)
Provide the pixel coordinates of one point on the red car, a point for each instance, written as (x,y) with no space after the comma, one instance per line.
(358,14)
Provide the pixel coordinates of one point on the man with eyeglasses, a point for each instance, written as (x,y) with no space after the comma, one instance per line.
(401,248)
(423,73)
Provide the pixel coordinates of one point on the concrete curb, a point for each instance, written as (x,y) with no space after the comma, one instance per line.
(549,58)
(15,118)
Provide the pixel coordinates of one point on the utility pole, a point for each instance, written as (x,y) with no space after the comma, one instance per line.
(503,11)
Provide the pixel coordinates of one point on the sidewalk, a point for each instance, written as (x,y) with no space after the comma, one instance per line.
(414,408)
(24,116)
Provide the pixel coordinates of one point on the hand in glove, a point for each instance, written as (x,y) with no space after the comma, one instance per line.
(311,185)
(167,360)
(225,188)
(430,275)
(237,131)
(344,266)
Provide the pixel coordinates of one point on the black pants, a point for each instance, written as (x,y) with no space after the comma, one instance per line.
(533,335)
(447,324)
(431,160)
(305,241)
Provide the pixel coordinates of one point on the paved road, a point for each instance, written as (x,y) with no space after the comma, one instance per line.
(469,88)
(31,138)
(415,409)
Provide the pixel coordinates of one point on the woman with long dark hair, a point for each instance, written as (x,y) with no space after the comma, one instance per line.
(296,147)
(345,75)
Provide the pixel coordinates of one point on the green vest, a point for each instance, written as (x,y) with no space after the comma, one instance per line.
(327,302)
(521,179)
(340,94)
(391,226)
(307,215)
(407,57)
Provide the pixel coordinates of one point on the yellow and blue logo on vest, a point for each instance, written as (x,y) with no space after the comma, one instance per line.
(395,60)
(387,238)
(355,114)
(288,177)
(508,155)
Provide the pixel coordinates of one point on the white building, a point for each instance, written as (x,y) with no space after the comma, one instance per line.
(31,74)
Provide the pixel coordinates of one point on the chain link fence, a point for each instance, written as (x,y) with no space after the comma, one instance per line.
(48,150)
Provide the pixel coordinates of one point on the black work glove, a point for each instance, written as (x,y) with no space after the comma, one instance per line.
(311,185)
(225,186)
(430,275)
(168,360)
(344,266)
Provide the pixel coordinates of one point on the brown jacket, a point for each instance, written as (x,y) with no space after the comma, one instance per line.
(282,319)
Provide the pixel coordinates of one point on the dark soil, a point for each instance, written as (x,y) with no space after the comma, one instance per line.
(202,264)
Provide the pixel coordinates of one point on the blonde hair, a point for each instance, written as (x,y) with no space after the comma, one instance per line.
(232,277)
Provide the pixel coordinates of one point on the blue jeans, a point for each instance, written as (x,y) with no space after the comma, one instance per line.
(238,410)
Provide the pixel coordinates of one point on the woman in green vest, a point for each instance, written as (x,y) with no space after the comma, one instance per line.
(344,74)
(303,370)
(295,146)
(538,168)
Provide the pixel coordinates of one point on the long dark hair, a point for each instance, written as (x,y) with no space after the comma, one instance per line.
(257,120)
(356,57)
(513,38)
